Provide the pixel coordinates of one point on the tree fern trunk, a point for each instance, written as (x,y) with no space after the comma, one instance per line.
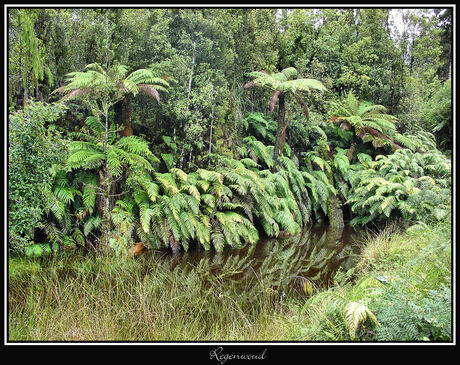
(334,212)
(105,224)
(351,152)
(126,117)
(175,246)
(283,135)
(279,129)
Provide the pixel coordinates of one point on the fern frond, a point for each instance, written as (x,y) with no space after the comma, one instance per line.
(356,314)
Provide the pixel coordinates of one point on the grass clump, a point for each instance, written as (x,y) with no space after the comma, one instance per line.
(403,279)
(119,299)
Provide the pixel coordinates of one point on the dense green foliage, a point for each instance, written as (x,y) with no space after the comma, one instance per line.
(412,186)
(34,149)
(214,128)
(334,155)
(438,114)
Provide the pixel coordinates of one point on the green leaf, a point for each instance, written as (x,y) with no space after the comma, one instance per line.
(168,159)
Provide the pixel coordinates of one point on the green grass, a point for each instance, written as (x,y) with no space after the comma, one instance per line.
(122,299)
(404,278)
(115,299)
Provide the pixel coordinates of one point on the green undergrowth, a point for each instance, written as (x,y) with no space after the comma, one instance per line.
(399,291)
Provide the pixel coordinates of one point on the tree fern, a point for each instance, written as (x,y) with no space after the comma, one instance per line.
(403,184)
(368,121)
(283,83)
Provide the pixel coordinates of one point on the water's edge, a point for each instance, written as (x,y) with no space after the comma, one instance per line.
(314,254)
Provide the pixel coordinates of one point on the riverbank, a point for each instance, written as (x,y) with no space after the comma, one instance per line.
(403,278)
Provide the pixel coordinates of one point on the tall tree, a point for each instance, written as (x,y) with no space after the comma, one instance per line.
(200,54)
(283,84)
(27,54)
(445,24)
(100,89)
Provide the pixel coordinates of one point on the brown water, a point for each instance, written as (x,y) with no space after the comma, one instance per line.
(313,256)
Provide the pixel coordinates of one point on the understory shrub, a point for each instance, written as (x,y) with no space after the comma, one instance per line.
(34,147)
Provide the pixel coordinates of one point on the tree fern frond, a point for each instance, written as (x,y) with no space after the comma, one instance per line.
(87,159)
(356,314)
(91,224)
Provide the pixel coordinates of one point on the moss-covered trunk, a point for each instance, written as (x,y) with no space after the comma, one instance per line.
(334,212)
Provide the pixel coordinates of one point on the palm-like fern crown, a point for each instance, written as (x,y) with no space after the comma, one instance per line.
(88,153)
(115,81)
(284,81)
(369,121)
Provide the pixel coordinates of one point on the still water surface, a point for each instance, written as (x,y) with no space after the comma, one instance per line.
(314,255)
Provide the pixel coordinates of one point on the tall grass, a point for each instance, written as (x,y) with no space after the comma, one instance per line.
(116,299)
(402,277)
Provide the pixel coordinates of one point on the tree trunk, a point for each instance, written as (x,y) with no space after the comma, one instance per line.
(26,90)
(175,246)
(189,158)
(449,67)
(334,213)
(334,236)
(191,71)
(126,117)
(210,132)
(181,156)
(279,129)
(105,224)
(351,152)
(283,135)
(210,138)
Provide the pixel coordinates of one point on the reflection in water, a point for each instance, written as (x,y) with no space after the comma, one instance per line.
(310,257)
